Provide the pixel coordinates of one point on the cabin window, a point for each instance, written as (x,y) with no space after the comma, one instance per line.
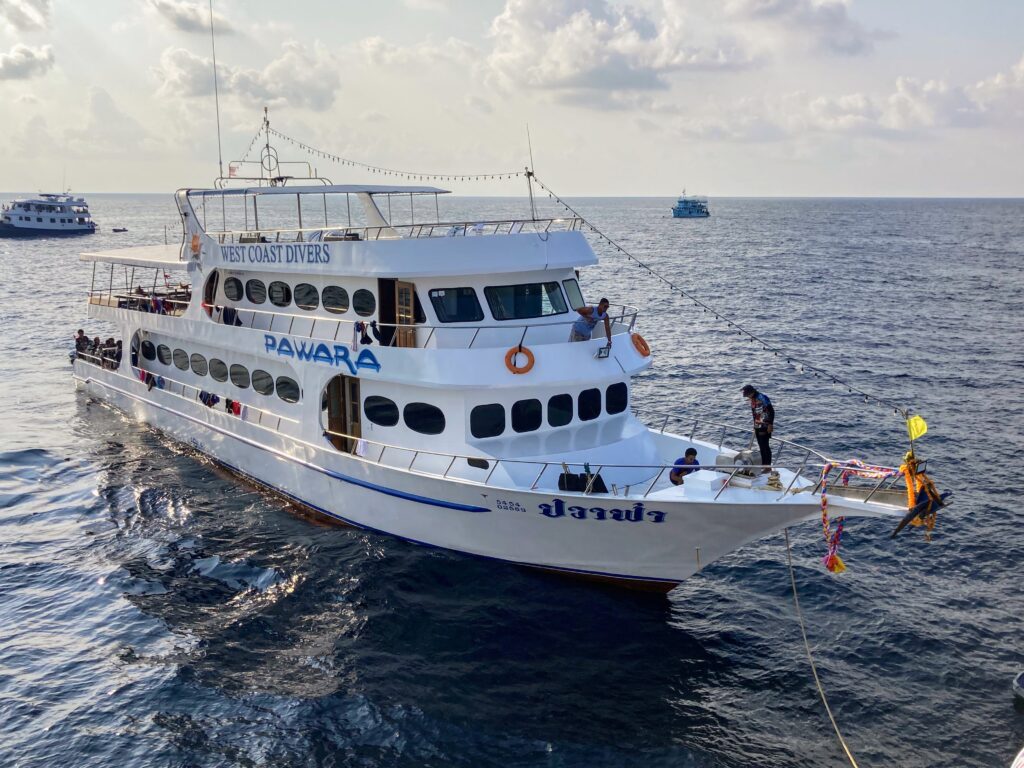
(526,415)
(148,350)
(572,290)
(616,398)
(519,302)
(218,369)
(487,420)
(306,297)
(233,289)
(255,291)
(364,303)
(280,294)
(163,354)
(381,411)
(262,382)
(287,389)
(560,410)
(199,364)
(239,376)
(456,305)
(424,418)
(589,404)
(335,299)
(181,359)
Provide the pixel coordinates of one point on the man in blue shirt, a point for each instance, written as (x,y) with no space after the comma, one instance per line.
(588,318)
(764,421)
(683,466)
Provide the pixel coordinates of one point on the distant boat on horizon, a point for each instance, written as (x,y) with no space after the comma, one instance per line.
(690,207)
(47,215)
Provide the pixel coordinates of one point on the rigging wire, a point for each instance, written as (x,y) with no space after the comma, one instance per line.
(216,93)
(810,657)
(791,360)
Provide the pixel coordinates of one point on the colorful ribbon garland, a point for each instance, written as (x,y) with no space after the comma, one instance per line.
(832,561)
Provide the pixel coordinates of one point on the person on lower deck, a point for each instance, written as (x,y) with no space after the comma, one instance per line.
(683,466)
(589,317)
(81,341)
(764,421)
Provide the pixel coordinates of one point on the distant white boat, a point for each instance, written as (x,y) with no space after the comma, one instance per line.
(47,215)
(690,207)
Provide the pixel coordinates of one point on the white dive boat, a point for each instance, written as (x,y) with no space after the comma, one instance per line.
(47,215)
(416,378)
(690,207)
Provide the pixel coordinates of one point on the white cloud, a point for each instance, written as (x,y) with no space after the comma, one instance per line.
(379,52)
(427,5)
(823,25)
(590,45)
(301,76)
(25,15)
(23,62)
(107,128)
(190,17)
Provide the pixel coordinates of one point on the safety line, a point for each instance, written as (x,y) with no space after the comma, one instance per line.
(810,657)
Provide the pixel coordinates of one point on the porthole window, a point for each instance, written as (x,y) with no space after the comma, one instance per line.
(287,389)
(262,382)
(181,359)
(306,296)
(280,294)
(560,410)
(526,415)
(199,365)
(364,303)
(335,299)
(163,354)
(487,420)
(233,289)
(218,369)
(424,418)
(148,350)
(381,411)
(239,376)
(616,398)
(256,291)
(589,404)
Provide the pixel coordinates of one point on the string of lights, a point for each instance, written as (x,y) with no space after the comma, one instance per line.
(411,175)
(797,364)
(252,144)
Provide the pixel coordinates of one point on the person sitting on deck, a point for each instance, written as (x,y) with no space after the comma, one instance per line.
(583,328)
(81,341)
(683,466)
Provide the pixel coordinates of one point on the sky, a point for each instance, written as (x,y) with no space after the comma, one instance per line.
(722,97)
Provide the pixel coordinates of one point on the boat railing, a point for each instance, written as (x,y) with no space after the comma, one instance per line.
(452,336)
(328,233)
(153,303)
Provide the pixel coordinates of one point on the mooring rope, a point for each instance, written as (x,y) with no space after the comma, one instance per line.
(797,364)
(810,657)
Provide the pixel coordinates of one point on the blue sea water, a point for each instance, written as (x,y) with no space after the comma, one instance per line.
(156,611)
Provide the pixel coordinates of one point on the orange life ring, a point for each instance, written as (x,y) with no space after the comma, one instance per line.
(641,346)
(510,360)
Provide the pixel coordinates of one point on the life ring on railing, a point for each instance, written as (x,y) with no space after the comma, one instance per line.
(510,359)
(641,345)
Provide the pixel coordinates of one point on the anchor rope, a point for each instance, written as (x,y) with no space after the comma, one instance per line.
(810,656)
(792,360)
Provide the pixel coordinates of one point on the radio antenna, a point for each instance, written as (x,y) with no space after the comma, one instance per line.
(216,94)
(529,175)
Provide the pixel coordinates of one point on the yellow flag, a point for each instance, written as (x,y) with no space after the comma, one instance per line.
(916,427)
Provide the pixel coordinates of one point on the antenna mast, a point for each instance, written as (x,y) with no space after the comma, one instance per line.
(529,174)
(216,94)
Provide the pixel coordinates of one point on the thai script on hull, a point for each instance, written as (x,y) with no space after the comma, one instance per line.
(634,514)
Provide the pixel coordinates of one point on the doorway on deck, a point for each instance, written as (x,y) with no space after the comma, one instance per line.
(341,406)
(399,307)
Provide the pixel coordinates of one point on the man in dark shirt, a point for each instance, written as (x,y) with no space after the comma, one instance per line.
(764,421)
(684,465)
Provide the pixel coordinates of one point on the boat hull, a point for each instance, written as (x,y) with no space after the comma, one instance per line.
(6,230)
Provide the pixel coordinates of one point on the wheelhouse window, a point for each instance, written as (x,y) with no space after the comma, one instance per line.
(589,404)
(520,302)
(616,398)
(573,292)
(233,289)
(456,305)
(335,299)
(526,415)
(262,382)
(424,418)
(181,359)
(163,354)
(364,303)
(287,389)
(280,294)
(199,364)
(560,409)
(487,420)
(255,291)
(381,411)
(306,297)
(218,369)
(239,376)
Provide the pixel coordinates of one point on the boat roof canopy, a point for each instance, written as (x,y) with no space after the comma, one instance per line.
(154,256)
(326,189)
